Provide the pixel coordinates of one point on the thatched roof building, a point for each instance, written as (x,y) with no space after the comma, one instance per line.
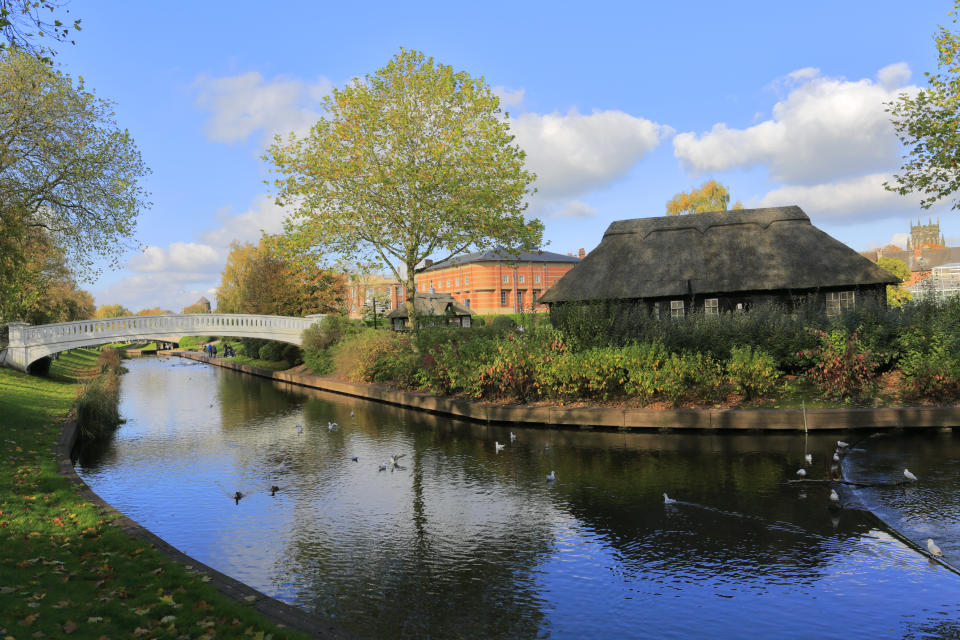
(721,261)
(440,306)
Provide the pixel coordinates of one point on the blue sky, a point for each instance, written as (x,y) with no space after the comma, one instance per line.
(618,106)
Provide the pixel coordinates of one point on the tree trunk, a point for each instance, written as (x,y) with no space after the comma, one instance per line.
(411,288)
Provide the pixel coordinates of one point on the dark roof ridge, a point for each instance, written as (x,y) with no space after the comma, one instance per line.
(703,222)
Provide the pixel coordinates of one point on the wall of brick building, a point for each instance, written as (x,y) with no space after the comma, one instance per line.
(488,285)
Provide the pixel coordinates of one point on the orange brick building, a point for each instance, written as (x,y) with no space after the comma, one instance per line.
(361,290)
(489,282)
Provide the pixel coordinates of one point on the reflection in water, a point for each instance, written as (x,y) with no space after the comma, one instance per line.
(460,541)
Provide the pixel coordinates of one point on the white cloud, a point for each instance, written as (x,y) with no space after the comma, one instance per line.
(243,104)
(263,216)
(172,291)
(575,153)
(574,209)
(826,128)
(893,76)
(182,257)
(508,97)
(848,199)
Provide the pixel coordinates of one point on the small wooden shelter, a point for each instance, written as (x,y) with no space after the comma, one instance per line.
(436,308)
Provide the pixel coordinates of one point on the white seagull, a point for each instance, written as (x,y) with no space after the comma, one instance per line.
(933,548)
(834,496)
(499,447)
(332,425)
(842,444)
(668,500)
(513,437)
(802,473)
(836,457)
(808,457)
(909,476)
(551,476)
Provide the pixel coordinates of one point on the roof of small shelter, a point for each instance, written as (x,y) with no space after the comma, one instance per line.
(432,304)
(768,249)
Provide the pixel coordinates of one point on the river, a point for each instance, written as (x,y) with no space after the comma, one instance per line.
(459,539)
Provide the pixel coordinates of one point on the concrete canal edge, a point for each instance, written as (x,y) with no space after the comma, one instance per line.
(280,613)
(628,419)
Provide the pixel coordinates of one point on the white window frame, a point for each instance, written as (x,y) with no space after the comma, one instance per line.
(711,306)
(506,279)
(536,279)
(840,301)
(676,308)
(504,299)
(521,278)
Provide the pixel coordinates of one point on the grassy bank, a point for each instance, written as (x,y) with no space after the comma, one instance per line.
(65,569)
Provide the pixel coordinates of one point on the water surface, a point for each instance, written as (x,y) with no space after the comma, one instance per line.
(459,540)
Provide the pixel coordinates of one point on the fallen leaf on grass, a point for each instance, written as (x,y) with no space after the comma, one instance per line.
(69,626)
(167,619)
(94,619)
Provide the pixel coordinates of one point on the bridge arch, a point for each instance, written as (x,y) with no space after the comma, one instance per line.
(30,343)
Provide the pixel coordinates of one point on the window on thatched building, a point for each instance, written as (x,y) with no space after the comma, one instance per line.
(840,301)
(711,307)
(676,308)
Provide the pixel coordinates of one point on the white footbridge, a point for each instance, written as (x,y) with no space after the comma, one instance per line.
(29,343)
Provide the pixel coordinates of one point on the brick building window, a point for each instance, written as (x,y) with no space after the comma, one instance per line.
(506,279)
(676,308)
(448,284)
(520,299)
(503,298)
(711,307)
(456,282)
(521,278)
(466,281)
(466,303)
(536,279)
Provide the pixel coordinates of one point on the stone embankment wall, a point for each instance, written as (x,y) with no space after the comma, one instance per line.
(706,419)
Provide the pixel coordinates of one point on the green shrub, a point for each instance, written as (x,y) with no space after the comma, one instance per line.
(842,368)
(644,368)
(752,372)
(600,372)
(271,351)
(378,356)
(695,377)
(453,366)
(98,401)
(319,362)
(503,323)
(515,368)
(930,364)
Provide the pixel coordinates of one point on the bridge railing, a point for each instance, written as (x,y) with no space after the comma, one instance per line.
(163,325)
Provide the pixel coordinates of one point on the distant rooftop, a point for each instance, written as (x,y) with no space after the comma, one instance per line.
(495,255)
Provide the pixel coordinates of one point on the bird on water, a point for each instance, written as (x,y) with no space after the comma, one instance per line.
(237,496)
(513,437)
(809,458)
(551,476)
(274,489)
(499,447)
(668,500)
(802,473)
(909,476)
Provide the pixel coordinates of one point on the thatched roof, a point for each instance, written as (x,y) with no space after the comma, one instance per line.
(493,255)
(432,304)
(722,252)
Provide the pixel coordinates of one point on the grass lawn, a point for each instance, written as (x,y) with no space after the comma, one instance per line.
(64,568)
